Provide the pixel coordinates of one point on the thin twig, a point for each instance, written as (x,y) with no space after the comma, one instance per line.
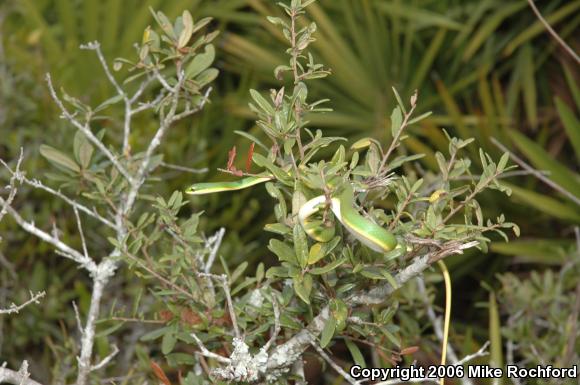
(395,141)
(14,309)
(536,173)
(207,353)
(223,280)
(96,46)
(554,34)
(86,130)
(509,174)
(106,360)
(65,250)
(213,244)
(77,317)
(183,168)
(480,353)
(81,232)
(334,365)
(16,175)
(161,278)
(277,326)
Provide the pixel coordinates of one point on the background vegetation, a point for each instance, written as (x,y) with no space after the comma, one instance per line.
(487,69)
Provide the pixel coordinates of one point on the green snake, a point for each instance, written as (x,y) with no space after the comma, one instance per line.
(367,232)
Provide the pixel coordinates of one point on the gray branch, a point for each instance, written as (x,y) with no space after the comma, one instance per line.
(20,377)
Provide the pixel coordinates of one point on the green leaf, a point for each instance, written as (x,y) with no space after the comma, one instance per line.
(321,250)
(538,27)
(207,76)
(303,287)
(58,158)
(545,203)
(566,178)
(252,138)
(200,62)
(396,121)
(361,143)
(327,332)
(328,268)
(300,245)
(277,228)
(355,352)
(283,251)
(496,355)
(238,272)
(526,60)
(114,100)
(83,150)
(417,15)
(187,29)
(571,125)
(280,174)
(262,103)
(155,334)
(168,342)
(339,311)
(540,251)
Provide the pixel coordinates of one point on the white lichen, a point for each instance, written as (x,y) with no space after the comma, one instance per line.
(244,366)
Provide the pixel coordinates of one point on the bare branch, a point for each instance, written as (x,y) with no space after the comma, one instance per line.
(213,243)
(100,279)
(482,352)
(183,168)
(380,293)
(20,377)
(34,298)
(166,122)
(16,175)
(537,173)
(106,360)
(159,276)
(81,232)
(277,326)
(92,213)
(35,183)
(148,105)
(77,317)
(395,141)
(223,280)
(554,34)
(65,250)
(96,46)
(86,130)
(207,353)
(334,365)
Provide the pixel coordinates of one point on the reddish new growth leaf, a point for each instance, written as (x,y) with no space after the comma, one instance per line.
(231,159)
(190,317)
(249,158)
(409,350)
(166,315)
(159,373)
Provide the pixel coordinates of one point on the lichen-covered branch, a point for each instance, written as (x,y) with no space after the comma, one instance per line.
(20,377)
